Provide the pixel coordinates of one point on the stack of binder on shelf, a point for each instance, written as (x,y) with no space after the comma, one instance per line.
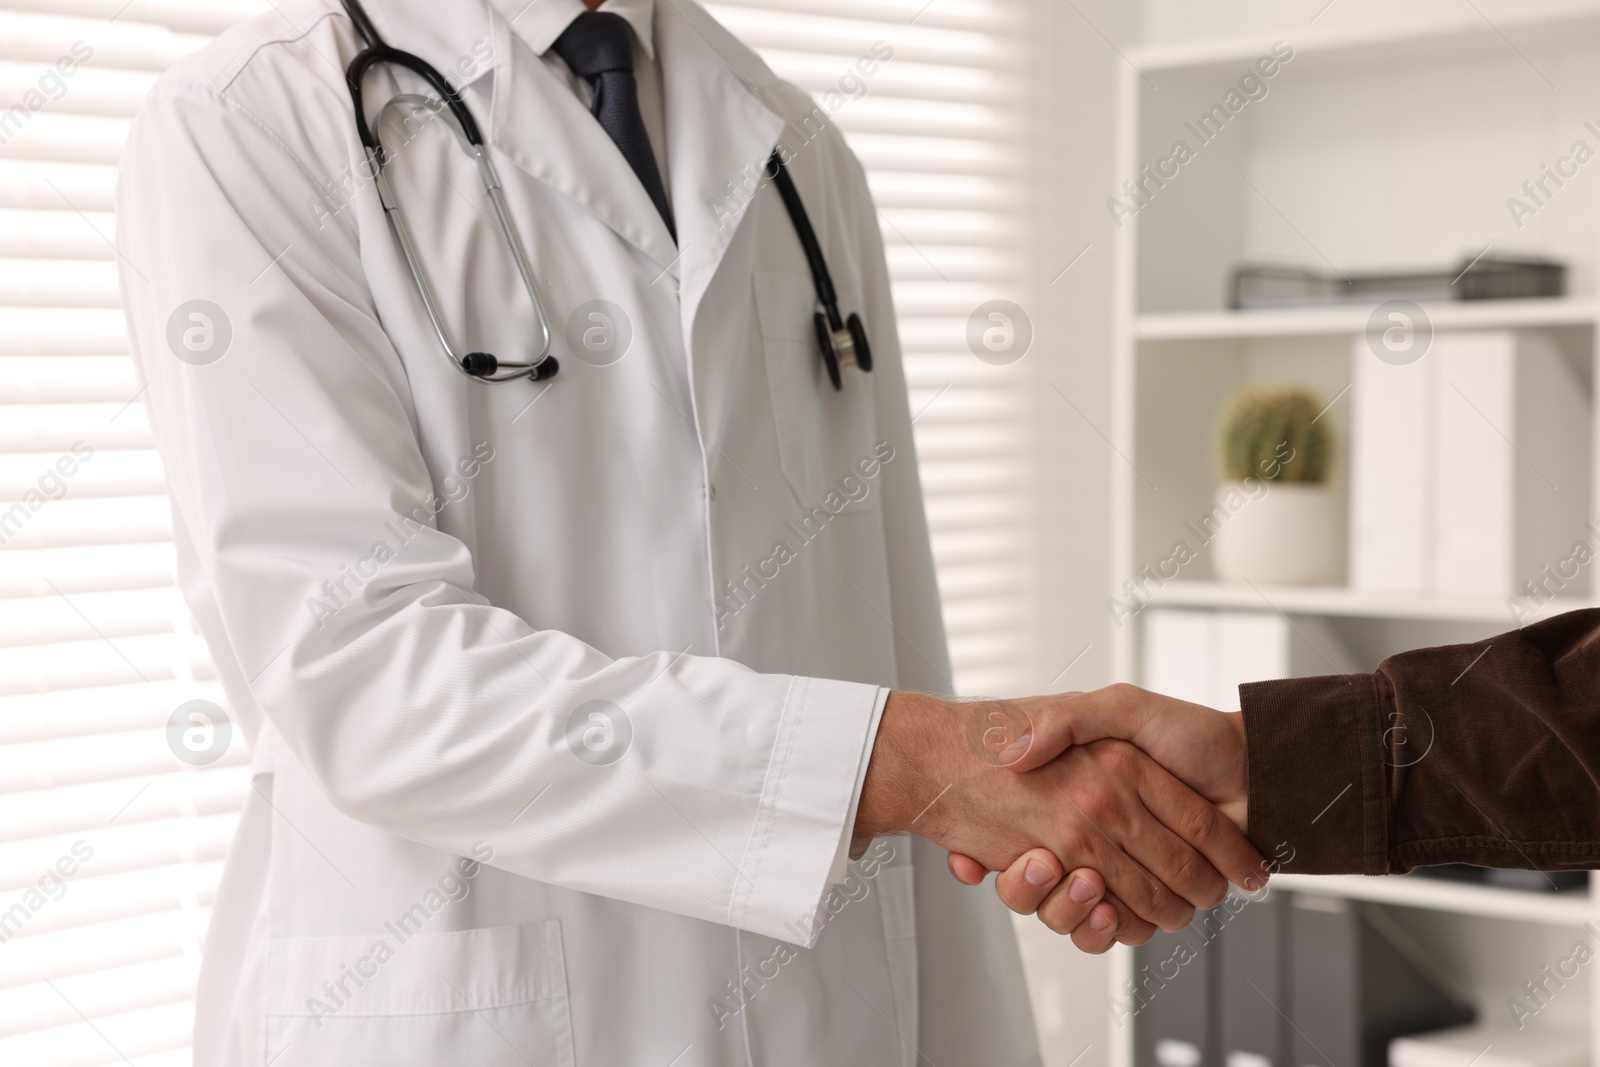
(1469,467)
(1289,980)
(1204,656)
(1261,286)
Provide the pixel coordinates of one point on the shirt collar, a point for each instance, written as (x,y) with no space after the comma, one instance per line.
(539,22)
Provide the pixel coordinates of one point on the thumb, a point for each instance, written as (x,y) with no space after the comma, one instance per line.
(1056,723)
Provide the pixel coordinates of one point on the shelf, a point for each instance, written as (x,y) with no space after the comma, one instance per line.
(1333,321)
(1572,907)
(1189,55)
(1312,600)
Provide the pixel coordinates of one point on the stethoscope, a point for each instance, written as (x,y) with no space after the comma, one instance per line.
(843,341)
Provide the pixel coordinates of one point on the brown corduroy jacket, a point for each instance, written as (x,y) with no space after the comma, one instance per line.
(1487,754)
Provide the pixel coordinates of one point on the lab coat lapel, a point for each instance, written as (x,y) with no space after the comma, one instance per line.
(545,129)
(719,135)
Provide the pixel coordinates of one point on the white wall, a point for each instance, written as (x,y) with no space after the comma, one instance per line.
(1073,118)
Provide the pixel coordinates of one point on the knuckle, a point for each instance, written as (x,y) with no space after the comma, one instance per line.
(1073,845)
(1098,805)
(1199,826)
(1188,873)
(1119,760)
(1152,900)
(1122,694)
(1164,908)
(1200,881)
(1018,901)
(1061,914)
(1118,757)
(1058,922)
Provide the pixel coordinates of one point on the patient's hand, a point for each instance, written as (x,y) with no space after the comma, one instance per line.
(1202,747)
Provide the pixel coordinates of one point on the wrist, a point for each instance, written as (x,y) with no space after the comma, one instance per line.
(915,745)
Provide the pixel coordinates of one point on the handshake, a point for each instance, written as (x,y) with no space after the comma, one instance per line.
(1109,814)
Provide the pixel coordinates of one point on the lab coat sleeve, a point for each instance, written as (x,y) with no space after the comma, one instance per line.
(416,705)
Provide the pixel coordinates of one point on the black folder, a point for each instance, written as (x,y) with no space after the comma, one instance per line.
(1355,984)
(1174,999)
(1254,1028)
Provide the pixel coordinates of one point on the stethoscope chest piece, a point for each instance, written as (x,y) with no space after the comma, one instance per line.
(842,348)
(843,341)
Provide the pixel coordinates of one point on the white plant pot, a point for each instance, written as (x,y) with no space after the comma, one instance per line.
(1290,535)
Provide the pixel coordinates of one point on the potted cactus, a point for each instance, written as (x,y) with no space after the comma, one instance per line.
(1277,520)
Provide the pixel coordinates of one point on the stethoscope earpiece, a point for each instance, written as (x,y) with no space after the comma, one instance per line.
(485,365)
(480,364)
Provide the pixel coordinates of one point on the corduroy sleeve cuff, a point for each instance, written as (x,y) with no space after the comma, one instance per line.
(1319,801)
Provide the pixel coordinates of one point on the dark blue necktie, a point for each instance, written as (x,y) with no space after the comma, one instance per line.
(598,46)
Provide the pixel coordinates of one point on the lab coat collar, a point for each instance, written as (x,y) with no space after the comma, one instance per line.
(718,131)
(539,22)
(719,136)
(456,37)
(544,128)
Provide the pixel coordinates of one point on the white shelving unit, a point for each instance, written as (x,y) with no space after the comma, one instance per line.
(1379,148)
(1349,322)
(1348,603)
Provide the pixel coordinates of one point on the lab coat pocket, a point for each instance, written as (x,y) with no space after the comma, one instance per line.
(493,996)
(897,898)
(826,437)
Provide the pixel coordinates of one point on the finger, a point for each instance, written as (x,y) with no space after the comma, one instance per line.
(1070,903)
(1176,865)
(1144,895)
(1204,830)
(1131,930)
(1111,921)
(1129,846)
(1024,885)
(967,870)
(1098,932)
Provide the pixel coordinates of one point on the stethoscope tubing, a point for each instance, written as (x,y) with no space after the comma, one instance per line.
(838,342)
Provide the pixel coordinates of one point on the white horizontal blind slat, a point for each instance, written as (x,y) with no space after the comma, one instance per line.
(96,645)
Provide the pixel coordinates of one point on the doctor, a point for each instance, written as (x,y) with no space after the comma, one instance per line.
(563,694)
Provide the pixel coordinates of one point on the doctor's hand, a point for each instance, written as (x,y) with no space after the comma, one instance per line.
(1104,807)
(1203,747)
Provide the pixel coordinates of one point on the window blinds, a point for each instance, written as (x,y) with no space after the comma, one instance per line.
(936,125)
(110,848)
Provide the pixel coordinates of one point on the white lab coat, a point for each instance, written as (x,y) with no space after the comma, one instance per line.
(415,585)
